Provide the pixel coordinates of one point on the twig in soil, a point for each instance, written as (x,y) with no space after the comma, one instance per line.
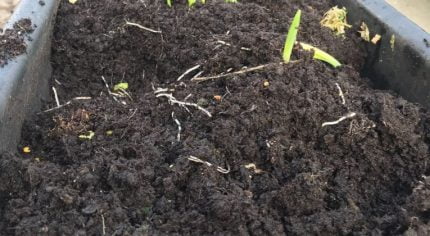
(218,168)
(103,224)
(347,116)
(173,100)
(179,126)
(56,97)
(66,104)
(143,27)
(341,94)
(188,71)
(244,71)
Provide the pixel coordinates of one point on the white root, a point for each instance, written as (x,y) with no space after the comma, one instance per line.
(143,27)
(173,100)
(198,74)
(229,45)
(341,95)
(67,103)
(179,126)
(188,71)
(122,93)
(201,79)
(56,97)
(218,168)
(347,116)
(103,225)
(243,71)
(252,166)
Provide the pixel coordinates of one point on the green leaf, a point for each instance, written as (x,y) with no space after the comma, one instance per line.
(291,37)
(89,136)
(169,3)
(191,2)
(321,55)
(120,86)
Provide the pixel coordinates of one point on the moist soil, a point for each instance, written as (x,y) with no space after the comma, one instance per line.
(274,169)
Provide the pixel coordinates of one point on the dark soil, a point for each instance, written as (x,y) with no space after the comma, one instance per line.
(12,41)
(364,176)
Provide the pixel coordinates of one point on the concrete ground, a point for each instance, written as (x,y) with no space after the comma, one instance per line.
(417,10)
(6,8)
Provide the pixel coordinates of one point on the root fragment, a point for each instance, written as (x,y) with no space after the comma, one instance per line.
(173,100)
(143,27)
(218,168)
(188,71)
(178,137)
(347,116)
(244,71)
(67,103)
(341,95)
(56,97)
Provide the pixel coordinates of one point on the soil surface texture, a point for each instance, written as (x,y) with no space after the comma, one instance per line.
(12,41)
(247,154)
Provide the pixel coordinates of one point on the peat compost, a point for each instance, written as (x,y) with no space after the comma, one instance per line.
(273,169)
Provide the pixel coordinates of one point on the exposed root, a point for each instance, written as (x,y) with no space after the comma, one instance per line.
(341,94)
(103,225)
(179,126)
(115,96)
(56,97)
(347,116)
(252,166)
(143,27)
(218,168)
(173,100)
(66,104)
(244,71)
(188,71)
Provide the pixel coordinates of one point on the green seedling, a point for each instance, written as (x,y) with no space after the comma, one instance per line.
(191,2)
(120,87)
(88,136)
(169,3)
(231,1)
(291,37)
(321,55)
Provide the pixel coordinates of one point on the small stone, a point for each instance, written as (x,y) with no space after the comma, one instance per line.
(66,198)
(90,209)
(202,102)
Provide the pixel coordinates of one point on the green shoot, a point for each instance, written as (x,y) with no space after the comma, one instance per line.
(291,37)
(191,2)
(89,136)
(169,3)
(120,86)
(231,1)
(321,55)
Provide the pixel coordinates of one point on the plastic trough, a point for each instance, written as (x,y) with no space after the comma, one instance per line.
(404,69)
(24,80)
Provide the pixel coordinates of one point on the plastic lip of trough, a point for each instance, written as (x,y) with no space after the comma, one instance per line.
(405,68)
(24,80)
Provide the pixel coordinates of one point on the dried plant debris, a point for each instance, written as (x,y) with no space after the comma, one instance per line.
(335,19)
(364,32)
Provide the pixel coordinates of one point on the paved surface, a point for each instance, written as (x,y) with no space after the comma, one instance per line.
(6,8)
(417,10)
